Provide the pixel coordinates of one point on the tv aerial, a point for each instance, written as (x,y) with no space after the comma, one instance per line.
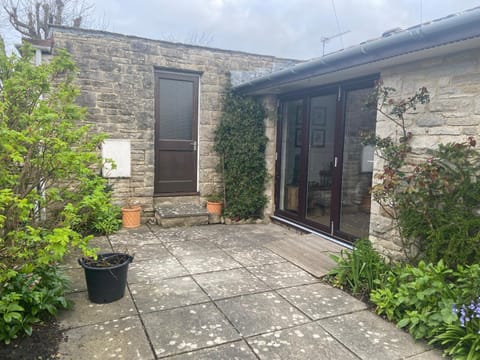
(326,39)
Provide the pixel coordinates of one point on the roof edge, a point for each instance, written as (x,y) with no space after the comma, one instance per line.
(417,38)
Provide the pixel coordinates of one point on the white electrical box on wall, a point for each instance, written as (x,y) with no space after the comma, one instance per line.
(117,150)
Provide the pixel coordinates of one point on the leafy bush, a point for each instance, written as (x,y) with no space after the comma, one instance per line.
(420,298)
(417,298)
(51,198)
(94,213)
(435,201)
(359,270)
(240,141)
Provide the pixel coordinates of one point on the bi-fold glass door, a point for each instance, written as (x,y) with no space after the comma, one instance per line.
(325,170)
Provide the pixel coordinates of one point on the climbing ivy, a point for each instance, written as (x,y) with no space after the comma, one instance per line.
(240,141)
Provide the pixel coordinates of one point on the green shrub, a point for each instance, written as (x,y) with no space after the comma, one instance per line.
(438,206)
(434,201)
(94,213)
(360,270)
(240,141)
(51,198)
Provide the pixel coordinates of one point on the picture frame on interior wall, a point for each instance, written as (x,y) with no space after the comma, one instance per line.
(298,137)
(318,138)
(319,115)
(298,115)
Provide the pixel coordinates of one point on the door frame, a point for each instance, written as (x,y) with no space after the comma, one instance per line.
(305,95)
(182,75)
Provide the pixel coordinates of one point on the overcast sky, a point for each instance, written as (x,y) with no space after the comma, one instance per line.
(284,28)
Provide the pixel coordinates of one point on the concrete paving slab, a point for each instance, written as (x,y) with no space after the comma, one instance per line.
(208,261)
(150,271)
(304,342)
(148,252)
(428,355)
(237,350)
(370,337)
(77,279)
(85,312)
(122,241)
(238,239)
(282,275)
(183,233)
(167,294)
(223,284)
(254,256)
(188,328)
(319,301)
(259,313)
(190,247)
(117,339)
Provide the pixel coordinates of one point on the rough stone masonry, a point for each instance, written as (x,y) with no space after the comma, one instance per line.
(116,80)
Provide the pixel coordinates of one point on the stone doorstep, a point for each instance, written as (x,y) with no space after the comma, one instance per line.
(186,214)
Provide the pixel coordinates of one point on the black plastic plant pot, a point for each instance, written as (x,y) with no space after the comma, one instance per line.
(106,283)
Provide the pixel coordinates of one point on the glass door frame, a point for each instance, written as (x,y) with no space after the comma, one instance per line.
(340,90)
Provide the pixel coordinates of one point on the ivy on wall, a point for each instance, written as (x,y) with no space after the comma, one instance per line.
(240,141)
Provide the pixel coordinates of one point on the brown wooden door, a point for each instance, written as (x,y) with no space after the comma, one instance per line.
(176,119)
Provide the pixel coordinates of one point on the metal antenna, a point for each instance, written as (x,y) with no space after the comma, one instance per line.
(325,39)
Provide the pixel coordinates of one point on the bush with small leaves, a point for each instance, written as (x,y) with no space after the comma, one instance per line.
(51,198)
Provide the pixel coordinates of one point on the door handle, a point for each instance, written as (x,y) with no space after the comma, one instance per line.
(194,144)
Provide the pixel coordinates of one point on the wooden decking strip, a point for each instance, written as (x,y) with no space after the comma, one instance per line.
(309,252)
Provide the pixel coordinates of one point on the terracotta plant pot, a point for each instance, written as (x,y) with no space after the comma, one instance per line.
(131,217)
(214,207)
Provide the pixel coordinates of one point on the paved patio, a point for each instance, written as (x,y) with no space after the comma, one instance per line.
(216,292)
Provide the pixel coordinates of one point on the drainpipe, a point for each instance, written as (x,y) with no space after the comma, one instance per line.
(41,187)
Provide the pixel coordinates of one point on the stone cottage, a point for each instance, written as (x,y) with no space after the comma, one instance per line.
(163,100)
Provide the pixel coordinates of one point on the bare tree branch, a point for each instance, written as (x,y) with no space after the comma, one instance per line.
(32,18)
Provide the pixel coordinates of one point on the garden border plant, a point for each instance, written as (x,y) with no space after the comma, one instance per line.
(51,196)
(434,201)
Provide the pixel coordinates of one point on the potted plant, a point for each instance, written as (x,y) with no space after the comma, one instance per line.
(214,204)
(106,276)
(131,215)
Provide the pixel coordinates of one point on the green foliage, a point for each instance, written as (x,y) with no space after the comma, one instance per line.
(94,213)
(240,141)
(462,338)
(50,196)
(359,270)
(439,204)
(28,298)
(420,298)
(459,342)
(435,201)
(215,197)
(417,298)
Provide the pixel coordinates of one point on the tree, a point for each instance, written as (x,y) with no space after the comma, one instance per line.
(32,18)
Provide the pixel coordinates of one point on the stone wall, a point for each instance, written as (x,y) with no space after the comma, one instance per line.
(116,80)
(453,114)
(270,104)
